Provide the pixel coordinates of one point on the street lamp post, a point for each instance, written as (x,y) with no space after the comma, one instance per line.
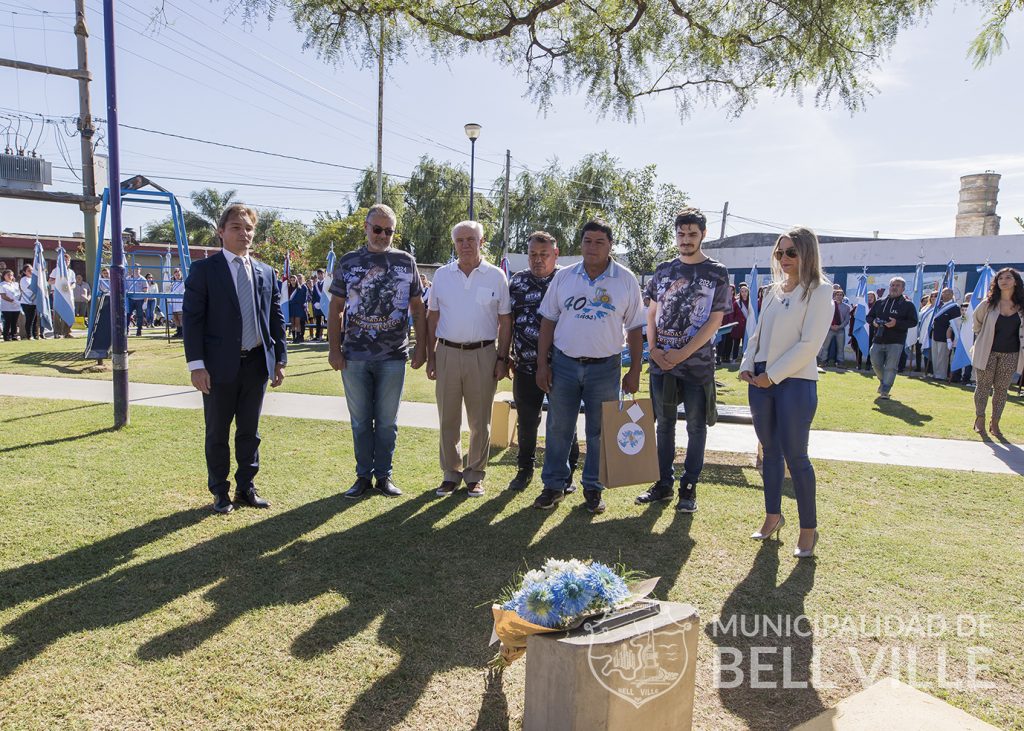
(472,132)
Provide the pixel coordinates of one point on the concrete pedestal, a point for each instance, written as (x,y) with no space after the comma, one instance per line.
(638,676)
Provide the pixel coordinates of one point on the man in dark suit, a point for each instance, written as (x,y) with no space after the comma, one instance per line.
(234,343)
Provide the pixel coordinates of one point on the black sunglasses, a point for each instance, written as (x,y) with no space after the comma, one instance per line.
(378,229)
(791,252)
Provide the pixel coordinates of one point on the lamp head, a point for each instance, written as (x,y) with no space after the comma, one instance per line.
(473,130)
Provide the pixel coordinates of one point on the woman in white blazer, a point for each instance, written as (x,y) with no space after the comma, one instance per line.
(781,367)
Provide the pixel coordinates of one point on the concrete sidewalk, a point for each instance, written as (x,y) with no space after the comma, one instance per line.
(953,454)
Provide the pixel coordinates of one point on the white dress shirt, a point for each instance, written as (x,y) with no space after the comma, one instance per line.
(235,261)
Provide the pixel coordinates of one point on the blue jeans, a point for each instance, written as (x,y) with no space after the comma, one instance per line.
(150,311)
(373,390)
(695,401)
(138,308)
(884,360)
(572,382)
(782,421)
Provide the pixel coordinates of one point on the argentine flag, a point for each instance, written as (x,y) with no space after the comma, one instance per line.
(325,296)
(751,306)
(41,290)
(63,292)
(860,314)
(962,354)
(925,336)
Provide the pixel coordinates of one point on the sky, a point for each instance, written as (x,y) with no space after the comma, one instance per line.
(892,168)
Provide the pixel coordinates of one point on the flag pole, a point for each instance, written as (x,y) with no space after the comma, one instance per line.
(119,325)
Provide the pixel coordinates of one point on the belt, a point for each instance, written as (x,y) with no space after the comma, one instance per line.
(585,360)
(466,346)
(252,351)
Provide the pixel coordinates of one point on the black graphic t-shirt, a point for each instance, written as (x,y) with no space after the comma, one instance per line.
(525,292)
(377,288)
(687,294)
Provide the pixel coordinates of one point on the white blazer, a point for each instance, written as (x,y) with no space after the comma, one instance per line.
(796,334)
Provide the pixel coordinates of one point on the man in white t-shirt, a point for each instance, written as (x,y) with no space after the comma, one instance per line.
(587,312)
(469,308)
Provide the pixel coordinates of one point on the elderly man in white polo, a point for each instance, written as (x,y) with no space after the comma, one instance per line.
(469,308)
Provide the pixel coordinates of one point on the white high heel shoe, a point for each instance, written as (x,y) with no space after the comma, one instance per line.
(802,553)
(775,530)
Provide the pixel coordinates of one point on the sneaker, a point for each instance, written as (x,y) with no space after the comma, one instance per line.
(592,499)
(548,499)
(358,489)
(687,498)
(884,395)
(686,505)
(447,488)
(521,480)
(475,489)
(655,494)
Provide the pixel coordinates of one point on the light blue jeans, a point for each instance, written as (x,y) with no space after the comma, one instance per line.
(885,360)
(373,390)
(572,382)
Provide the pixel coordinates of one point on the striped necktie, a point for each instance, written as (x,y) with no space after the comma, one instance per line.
(250,335)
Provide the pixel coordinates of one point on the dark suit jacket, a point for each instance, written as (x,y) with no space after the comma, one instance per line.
(212,320)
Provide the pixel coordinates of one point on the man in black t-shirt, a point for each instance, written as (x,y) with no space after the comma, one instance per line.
(892,316)
(689,298)
(526,290)
(375,288)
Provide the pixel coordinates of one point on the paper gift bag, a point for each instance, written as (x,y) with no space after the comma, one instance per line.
(629,452)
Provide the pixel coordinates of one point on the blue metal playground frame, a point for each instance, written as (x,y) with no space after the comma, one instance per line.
(129,195)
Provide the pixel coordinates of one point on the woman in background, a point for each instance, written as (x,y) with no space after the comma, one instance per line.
(174,304)
(780,366)
(10,305)
(998,350)
(297,306)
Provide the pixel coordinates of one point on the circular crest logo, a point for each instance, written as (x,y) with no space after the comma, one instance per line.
(631,438)
(640,668)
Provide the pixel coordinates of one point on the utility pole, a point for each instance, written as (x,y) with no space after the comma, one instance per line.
(380,113)
(118,324)
(86,130)
(725,215)
(504,225)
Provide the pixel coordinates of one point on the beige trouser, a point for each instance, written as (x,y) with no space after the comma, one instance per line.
(465,376)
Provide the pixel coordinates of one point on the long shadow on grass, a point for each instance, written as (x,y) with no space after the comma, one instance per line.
(43,578)
(782,655)
(57,440)
(54,361)
(429,578)
(138,590)
(50,412)
(426,575)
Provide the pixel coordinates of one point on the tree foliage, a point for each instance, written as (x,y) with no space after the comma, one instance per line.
(623,51)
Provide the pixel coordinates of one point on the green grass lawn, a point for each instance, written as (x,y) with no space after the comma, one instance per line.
(125,603)
(846,401)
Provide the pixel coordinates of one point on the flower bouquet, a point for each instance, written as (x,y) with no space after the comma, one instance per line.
(557,597)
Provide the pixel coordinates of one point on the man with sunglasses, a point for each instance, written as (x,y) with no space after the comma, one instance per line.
(375,289)
(689,298)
